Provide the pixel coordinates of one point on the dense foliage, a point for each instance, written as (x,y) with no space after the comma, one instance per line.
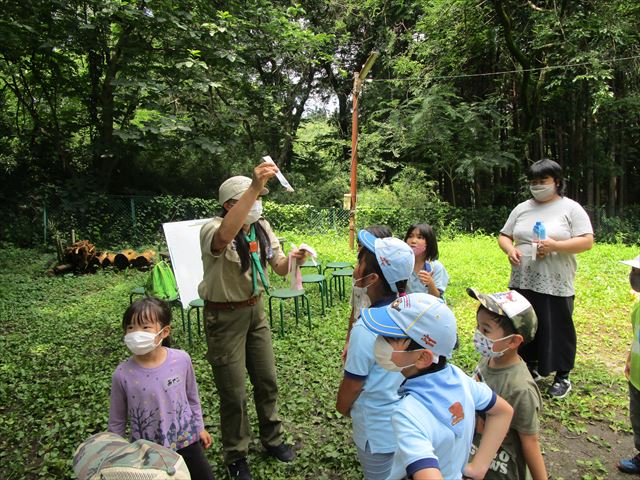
(61,340)
(166,97)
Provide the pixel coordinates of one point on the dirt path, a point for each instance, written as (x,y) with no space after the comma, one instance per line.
(591,455)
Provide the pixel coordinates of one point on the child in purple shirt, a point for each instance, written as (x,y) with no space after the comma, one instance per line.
(155,389)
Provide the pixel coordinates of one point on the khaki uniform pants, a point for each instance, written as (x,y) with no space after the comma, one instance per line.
(240,340)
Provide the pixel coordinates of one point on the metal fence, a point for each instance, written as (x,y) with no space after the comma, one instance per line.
(119,221)
(137,221)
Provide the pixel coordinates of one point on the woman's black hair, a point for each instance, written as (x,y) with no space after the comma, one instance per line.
(547,168)
(429,235)
(148,310)
(242,246)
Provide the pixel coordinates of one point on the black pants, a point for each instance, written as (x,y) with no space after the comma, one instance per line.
(196,461)
(554,347)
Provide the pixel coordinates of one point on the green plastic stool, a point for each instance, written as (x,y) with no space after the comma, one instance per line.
(336,266)
(284,294)
(337,280)
(136,291)
(312,264)
(321,280)
(196,305)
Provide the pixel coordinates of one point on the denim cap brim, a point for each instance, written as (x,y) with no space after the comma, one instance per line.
(512,305)
(419,316)
(634,262)
(233,188)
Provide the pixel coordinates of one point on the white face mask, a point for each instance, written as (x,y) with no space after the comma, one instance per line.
(543,192)
(383,351)
(359,297)
(484,345)
(140,343)
(255,213)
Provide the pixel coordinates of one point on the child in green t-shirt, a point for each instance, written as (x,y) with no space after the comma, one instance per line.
(505,321)
(632,370)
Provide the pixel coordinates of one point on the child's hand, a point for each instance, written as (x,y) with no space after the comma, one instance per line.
(205,439)
(344,353)
(425,277)
(472,472)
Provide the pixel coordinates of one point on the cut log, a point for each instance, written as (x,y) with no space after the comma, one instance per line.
(100,258)
(144,260)
(62,269)
(123,259)
(108,260)
(80,255)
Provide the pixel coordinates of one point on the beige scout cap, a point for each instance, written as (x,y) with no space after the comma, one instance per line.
(512,305)
(233,188)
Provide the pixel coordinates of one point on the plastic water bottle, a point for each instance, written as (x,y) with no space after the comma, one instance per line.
(539,233)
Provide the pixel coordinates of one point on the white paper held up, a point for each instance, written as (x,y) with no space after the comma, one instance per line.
(279,175)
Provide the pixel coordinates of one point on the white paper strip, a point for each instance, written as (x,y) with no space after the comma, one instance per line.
(279,175)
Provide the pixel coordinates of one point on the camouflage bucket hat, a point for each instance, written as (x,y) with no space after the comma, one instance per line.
(512,305)
(107,456)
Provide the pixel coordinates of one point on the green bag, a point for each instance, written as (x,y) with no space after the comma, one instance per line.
(161,282)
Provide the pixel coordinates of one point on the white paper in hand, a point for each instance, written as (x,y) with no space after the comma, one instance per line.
(279,175)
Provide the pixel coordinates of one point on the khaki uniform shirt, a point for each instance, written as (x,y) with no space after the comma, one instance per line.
(223,280)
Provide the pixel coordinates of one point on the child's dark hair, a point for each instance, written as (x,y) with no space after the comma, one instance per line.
(148,310)
(547,168)
(242,246)
(429,235)
(371,262)
(502,321)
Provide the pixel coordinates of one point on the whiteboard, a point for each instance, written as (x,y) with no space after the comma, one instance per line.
(183,240)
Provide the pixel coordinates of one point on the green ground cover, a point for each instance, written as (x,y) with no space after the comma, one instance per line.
(61,340)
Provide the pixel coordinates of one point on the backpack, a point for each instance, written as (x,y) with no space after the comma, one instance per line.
(107,456)
(161,282)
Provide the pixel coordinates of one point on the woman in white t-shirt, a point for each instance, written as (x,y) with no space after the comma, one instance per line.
(544,271)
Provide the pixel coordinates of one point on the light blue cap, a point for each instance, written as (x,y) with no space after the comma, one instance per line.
(418,316)
(394,256)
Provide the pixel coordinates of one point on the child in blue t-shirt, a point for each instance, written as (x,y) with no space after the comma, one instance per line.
(428,275)
(434,421)
(368,393)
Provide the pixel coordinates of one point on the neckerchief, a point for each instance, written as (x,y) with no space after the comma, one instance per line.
(256,266)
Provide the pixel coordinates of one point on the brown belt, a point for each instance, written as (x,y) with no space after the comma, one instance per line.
(232,305)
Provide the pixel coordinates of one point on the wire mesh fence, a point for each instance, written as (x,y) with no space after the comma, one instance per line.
(135,221)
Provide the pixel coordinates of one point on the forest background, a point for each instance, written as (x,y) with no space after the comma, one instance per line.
(165,98)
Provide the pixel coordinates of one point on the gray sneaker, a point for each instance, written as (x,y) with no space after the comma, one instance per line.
(560,388)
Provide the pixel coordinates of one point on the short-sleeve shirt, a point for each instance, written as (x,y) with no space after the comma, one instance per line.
(424,441)
(634,377)
(161,404)
(515,384)
(552,274)
(223,279)
(371,411)
(440,278)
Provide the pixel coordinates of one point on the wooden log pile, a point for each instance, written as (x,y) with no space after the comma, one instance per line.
(82,257)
